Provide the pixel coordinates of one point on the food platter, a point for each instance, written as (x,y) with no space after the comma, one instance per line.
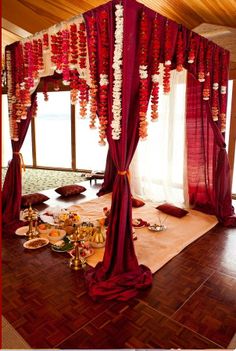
(36,243)
(68,245)
(22,230)
(157,227)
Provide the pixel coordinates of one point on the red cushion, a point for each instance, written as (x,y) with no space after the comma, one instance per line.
(68,190)
(172,210)
(33,199)
(137,202)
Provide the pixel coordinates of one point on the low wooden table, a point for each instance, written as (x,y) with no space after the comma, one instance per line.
(95,176)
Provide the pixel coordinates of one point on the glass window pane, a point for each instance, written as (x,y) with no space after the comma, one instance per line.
(26,148)
(89,154)
(53,130)
(234,174)
(6,141)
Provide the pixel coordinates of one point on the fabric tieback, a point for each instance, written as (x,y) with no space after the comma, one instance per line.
(122,172)
(22,164)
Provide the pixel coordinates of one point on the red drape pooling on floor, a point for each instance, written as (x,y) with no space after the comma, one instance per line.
(209,182)
(120,276)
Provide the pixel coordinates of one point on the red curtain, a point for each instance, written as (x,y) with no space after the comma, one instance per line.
(12,187)
(209,182)
(120,276)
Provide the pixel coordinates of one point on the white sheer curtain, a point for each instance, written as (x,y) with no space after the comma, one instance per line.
(158,166)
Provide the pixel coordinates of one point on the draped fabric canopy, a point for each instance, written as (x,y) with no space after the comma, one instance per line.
(124,55)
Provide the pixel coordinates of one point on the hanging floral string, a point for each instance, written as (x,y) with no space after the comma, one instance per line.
(82,64)
(103,75)
(143,76)
(201,65)
(93,69)
(215,86)
(64,57)
(192,49)
(223,91)
(207,82)
(167,64)
(10,94)
(45,42)
(179,51)
(74,55)
(155,69)
(40,56)
(117,67)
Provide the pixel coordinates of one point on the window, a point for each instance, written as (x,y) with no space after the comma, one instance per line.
(53,130)
(89,154)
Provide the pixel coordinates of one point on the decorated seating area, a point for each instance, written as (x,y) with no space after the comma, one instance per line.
(91,265)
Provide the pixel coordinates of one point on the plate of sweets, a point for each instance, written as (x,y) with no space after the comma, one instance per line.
(85,250)
(63,245)
(139,223)
(36,243)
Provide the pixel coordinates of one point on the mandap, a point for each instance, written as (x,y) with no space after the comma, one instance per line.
(110,57)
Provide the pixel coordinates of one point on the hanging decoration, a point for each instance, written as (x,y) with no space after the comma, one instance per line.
(155,69)
(93,70)
(167,63)
(215,87)
(63,49)
(117,67)
(223,92)
(103,75)
(180,51)
(143,76)
(83,98)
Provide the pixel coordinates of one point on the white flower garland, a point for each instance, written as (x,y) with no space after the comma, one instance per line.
(103,79)
(117,83)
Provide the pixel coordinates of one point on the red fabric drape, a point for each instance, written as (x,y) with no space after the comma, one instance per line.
(12,187)
(109,176)
(119,275)
(209,183)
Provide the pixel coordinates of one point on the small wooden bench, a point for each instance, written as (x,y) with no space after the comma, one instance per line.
(95,176)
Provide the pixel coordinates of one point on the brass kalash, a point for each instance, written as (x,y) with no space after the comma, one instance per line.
(31,215)
(77,262)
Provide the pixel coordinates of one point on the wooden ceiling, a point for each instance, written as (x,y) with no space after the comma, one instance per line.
(36,15)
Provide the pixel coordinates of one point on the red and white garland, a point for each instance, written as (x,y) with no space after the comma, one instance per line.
(103,75)
(155,69)
(117,66)
(143,76)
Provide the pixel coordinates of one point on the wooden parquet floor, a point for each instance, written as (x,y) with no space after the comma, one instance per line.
(191,305)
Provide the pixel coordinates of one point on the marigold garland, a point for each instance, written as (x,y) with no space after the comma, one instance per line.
(83,97)
(155,69)
(201,65)
(192,49)
(215,86)
(223,91)
(117,67)
(103,75)
(179,51)
(143,76)
(93,70)
(207,82)
(167,63)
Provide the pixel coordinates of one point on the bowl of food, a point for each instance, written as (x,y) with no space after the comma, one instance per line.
(55,235)
(44,228)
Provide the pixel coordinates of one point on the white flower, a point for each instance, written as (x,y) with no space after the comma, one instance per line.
(155,78)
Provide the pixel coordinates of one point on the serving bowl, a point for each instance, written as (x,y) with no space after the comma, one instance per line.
(55,235)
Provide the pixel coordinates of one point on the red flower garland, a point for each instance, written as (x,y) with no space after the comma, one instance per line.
(207,83)
(155,69)
(93,69)
(223,91)
(63,57)
(143,76)
(74,79)
(82,64)
(192,49)
(180,51)
(103,74)
(45,42)
(167,64)
(215,87)
(201,65)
